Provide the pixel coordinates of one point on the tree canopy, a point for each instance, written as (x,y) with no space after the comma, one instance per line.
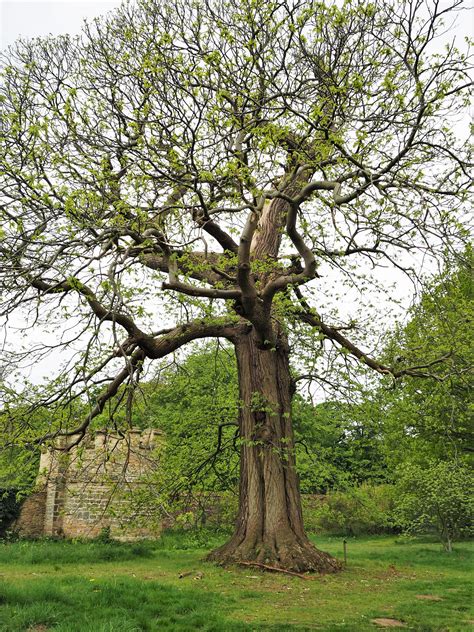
(192,170)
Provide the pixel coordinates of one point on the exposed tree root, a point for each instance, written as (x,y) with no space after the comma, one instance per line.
(297,557)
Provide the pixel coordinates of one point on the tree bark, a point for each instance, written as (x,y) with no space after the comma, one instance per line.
(269,528)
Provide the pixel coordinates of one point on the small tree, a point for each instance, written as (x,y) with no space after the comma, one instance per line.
(436,498)
(203,163)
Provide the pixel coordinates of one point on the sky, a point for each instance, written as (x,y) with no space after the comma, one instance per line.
(32,18)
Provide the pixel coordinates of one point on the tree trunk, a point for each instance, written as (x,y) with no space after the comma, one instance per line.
(269,527)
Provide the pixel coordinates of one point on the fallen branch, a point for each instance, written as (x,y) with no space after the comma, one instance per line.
(274,569)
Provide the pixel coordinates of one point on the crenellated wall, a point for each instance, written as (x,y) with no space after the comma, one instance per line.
(80,490)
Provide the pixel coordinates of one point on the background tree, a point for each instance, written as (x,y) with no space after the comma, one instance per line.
(195,403)
(425,420)
(436,498)
(339,444)
(205,163)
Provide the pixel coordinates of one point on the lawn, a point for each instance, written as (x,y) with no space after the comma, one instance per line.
(113,587)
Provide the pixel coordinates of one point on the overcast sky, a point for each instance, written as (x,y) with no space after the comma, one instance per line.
(31,18)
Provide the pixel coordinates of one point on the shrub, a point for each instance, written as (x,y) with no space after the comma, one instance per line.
(204,510)
(104,536)
(9,508)
(367,509)
(436,498)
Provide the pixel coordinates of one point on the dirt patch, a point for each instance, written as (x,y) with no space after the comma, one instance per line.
(390,573)
(429,597)
(37,628)
(384,622)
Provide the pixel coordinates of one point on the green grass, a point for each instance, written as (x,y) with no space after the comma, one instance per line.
(114,587)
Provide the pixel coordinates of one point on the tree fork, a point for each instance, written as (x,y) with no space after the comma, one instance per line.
(269,528)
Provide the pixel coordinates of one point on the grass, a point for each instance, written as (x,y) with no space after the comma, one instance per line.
(114,587)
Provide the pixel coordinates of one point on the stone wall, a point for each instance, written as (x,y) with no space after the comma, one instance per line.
(30,522)
(80,490)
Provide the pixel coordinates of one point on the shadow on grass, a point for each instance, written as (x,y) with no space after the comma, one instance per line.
(120,605)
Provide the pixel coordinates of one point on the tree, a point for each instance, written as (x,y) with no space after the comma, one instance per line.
(425,421)
(437,498)
(206,162)
(339,445)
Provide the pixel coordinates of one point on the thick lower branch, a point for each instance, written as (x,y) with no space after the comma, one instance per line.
(155,348)
(202,292)
(183,334)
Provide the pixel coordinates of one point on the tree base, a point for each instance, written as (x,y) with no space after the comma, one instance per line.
(298,556)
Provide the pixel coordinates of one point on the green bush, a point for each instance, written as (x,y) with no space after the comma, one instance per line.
(215,511)
(225,511)
(436,498)
(367,509)
(9,508)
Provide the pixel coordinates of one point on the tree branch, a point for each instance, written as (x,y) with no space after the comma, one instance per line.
(312,319)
